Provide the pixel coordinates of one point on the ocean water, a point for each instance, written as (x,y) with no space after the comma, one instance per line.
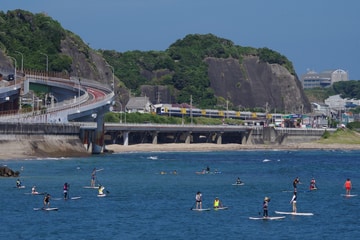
(143,204)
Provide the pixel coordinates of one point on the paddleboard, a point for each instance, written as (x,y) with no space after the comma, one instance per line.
(75,198)
(296,214)
(36,193)
(220,208)
(46,209)
(72,198)
(200,209)
(101,195)
(90,187)
(267,218)
(20,187)
(349,195)
(238,184)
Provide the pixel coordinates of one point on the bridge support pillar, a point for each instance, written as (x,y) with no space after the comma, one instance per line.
(219,138)
(155,137)
(188,137)
(248,137)
(98,143)
(126,138)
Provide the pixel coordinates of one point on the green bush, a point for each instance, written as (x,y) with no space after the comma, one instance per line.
(326,134)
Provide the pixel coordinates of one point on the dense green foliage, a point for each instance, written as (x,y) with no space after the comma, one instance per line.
(270,56)
(354,126)
(347,89)
(34,36)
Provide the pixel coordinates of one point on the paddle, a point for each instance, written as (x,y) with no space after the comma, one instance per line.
(192,207)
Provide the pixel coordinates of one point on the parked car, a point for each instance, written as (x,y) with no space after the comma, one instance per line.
(11,77)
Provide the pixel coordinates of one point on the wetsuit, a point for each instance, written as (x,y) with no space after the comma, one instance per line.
(265,208)
(65,190)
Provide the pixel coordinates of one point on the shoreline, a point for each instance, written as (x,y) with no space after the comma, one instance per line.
(200,147)
(80,151)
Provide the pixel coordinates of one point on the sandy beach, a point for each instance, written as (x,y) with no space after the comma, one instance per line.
(181,147)
(23,151)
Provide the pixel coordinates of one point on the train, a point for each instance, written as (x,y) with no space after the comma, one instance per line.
(260,118)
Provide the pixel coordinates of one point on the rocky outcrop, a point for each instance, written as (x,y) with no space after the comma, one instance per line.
(256,84)
(36,146)
(7,172)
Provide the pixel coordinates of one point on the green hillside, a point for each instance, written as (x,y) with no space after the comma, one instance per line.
(182,65)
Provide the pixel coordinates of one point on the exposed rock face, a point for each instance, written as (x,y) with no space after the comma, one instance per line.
(256,84)
(7,172)
(86,62)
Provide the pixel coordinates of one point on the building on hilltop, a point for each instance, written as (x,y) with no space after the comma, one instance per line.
(312,79)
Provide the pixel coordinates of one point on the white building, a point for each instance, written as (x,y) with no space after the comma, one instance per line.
(313,79)
(139,104)
(338,103)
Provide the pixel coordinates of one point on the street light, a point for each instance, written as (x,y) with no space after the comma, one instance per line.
(47,61)
(121,112)
(22,61)
(113,76)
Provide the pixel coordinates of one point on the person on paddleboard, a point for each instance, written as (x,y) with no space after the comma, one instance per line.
(93,177)
(313,184)
(238,181)
(198,199)
(347,186)
(293,202)
(33,190)
(18,183)
(217,203)
(296,182)
(47,200)
(66,188)
(266,207)
(101,190)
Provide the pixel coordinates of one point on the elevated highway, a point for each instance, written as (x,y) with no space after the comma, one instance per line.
(81,101)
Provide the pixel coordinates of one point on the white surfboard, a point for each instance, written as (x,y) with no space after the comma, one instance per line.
(46,209)
(238,184)
(101,195)
(200,209)
(267,218)
(72,198)
(294,213)
(221,208)
(35,193)
(91,187)
(75,198)
(349,195)
(20,187)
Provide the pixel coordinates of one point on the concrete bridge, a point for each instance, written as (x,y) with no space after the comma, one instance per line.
(127,134)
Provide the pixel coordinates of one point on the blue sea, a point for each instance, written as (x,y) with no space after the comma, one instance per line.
(142,203)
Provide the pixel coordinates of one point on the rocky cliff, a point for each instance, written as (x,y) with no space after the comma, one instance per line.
(256,84)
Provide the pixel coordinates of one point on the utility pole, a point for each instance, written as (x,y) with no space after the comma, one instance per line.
(191,113)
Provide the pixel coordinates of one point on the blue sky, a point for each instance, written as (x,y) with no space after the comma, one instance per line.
(316,35)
